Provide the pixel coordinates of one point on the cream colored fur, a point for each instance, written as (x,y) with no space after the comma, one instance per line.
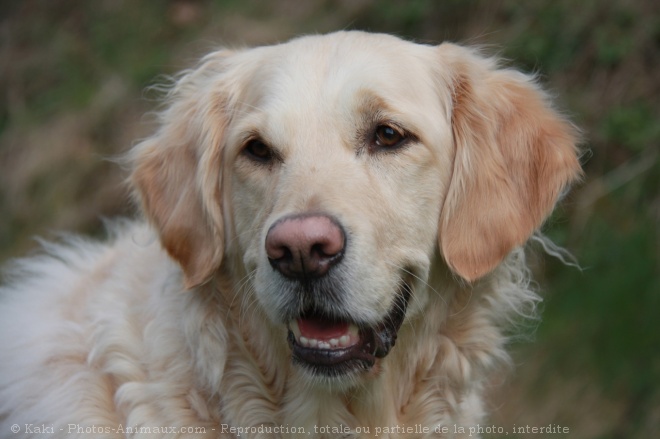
(176,325)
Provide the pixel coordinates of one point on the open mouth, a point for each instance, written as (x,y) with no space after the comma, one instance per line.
(332,347)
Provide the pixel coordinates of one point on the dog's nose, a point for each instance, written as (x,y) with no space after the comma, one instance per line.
(305,246)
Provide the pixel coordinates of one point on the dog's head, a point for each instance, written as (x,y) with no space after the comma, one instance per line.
(335,171)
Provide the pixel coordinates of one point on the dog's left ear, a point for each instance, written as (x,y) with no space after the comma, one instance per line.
(177,171)
(514,155)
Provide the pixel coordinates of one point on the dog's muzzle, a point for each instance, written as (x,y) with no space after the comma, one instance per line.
(304,249)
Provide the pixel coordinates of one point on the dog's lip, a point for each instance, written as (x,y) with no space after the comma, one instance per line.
(362,344)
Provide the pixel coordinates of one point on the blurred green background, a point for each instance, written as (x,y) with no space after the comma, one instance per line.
(72,95)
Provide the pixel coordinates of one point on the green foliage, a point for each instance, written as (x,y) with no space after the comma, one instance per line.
(87,42)
(635,126)
(548,38)
(608,310)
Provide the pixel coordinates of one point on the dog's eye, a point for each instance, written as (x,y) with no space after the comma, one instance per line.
(387,137)
(258,151)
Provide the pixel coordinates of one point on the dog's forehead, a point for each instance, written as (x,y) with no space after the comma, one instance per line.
(340,64)
(322,79)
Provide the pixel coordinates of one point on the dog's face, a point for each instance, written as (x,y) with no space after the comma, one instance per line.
(335,171)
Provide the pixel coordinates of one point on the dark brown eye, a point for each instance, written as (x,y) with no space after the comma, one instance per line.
(387,137)
(258,151)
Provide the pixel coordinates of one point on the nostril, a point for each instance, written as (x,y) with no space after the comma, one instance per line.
(278,252)
(328,242)
(320,251)
(286,254)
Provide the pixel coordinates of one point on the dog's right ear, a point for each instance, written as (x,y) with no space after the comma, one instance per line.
(177,171)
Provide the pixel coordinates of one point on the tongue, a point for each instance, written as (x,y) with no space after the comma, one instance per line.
(322,329)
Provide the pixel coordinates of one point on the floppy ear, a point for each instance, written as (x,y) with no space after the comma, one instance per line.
(177,172)
(514,155)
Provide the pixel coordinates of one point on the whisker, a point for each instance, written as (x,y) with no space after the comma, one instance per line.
(240,286)
(247,231)
(465,306)
(419,279)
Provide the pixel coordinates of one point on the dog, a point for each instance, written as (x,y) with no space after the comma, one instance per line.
(333,245)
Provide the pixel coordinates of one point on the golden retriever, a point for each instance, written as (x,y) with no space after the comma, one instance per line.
(334,248)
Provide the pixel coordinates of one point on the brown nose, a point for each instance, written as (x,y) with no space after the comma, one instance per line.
(305,246)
